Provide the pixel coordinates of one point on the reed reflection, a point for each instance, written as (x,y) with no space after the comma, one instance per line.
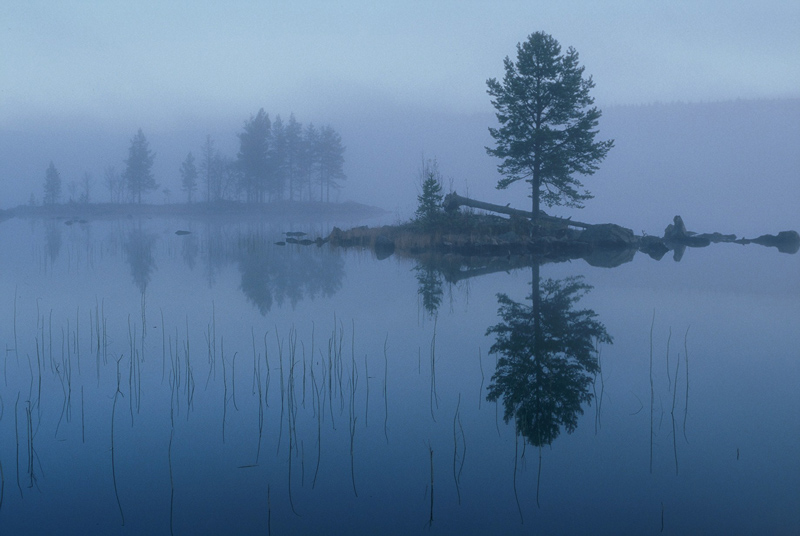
(547,358)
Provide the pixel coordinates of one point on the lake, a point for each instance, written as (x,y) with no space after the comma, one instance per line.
(214,382)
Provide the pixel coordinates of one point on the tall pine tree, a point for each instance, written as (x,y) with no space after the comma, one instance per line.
(189,177)
(138,174)
(547,123)
(52,185)
(254,158)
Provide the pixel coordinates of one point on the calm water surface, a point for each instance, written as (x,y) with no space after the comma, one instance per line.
(215,382)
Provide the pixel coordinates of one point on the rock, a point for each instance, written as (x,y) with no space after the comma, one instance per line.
(609,257)
(676,232)
(508,237)
(608,235)
(677,253)
(384,247)
(715,238)
(182,233)
(653,246)
(698,241)
(785,241)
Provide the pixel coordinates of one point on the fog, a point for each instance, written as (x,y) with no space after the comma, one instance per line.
(730,167)
(701,98)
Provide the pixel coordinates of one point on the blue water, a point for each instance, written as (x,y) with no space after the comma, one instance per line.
(305,390)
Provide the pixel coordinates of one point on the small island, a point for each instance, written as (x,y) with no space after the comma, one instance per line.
(547,138)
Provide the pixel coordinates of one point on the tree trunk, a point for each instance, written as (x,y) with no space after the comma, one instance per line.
(453,201)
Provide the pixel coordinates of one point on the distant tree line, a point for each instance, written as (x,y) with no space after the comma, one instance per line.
(276,161)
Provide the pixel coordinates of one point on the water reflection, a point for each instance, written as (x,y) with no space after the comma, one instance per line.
(138,247)
(547,348)
(52,237)
(270,274)
(293,418)
(190,250)
(429,282)
(547,358)
(274,274)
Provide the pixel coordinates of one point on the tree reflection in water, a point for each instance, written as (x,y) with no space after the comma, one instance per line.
(429,283)
(138,248)
(547,358)
(52,235)
(273,274)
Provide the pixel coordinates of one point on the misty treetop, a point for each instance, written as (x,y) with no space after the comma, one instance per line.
(189,177)
(547,123)
(52,185)
(278,160)
(254,157)
(138,174)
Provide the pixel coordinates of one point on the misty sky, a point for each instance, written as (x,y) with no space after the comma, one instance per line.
(150,61)
(402,81)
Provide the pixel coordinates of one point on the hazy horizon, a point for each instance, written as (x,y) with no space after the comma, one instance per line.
(406,81)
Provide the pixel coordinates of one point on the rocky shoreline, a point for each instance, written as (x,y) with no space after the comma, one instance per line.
(491,236)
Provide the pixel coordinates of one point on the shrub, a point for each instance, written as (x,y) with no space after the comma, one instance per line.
(429,210)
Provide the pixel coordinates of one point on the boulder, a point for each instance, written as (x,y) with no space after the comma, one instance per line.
(609,257)
(716,238)
(785,241)
(384,247)
(653,246)
(676,232)
(608,235)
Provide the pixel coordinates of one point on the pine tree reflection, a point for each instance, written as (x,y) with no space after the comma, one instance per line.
(189,250)
(52,236)
(138,247)
(430,287)
(547,358)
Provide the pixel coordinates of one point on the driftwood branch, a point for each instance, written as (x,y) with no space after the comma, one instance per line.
(453,201)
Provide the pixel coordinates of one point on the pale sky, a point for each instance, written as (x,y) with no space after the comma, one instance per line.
(150,61)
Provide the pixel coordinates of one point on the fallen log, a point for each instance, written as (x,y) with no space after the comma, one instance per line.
(453,201)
